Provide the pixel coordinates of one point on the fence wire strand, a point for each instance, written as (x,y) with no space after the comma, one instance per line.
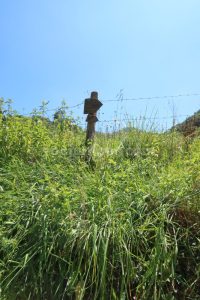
(121,99)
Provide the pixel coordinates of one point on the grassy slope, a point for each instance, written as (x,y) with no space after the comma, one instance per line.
(129,227)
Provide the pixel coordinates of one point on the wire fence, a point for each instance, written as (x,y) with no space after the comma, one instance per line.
(118,121)
(121,99)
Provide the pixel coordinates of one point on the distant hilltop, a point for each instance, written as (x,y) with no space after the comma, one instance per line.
(190,126)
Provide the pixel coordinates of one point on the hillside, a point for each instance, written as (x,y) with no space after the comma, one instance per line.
(128,228)
(190,126)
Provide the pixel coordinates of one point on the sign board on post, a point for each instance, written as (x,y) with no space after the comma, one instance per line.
(92,105)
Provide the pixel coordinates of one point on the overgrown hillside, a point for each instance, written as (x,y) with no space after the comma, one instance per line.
(191,126)
(127,228)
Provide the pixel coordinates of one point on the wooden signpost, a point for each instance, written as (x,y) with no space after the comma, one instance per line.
(92,105)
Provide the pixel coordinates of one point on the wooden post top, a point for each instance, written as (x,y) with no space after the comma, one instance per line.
(94,95)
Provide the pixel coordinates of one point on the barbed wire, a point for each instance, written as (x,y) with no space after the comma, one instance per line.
(138,119)
(53,109)
(152,98)
(143,118)
(66,107)
(121,99)
(43,111)
(127,122)
(128,119)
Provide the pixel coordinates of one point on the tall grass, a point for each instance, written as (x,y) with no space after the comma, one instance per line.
(128,228)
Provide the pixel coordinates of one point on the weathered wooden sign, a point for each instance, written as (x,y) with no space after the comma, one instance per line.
(92,105)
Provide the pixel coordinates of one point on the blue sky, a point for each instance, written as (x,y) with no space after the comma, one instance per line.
(54,50)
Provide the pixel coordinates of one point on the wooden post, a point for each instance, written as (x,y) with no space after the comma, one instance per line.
(91,120)
(92,105)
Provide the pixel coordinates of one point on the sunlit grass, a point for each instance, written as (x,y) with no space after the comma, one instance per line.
(127,228)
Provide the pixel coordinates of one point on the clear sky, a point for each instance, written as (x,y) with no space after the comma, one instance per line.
(54,50)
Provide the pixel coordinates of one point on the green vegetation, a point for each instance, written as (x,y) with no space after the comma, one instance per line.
(126,228)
